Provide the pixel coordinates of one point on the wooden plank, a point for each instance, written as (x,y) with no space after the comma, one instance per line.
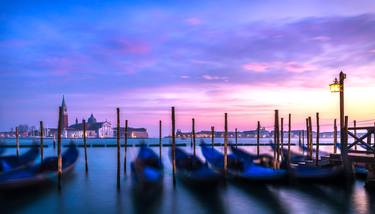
(362,127)
(361,158)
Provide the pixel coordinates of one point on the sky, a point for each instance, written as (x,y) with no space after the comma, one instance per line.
(246,58)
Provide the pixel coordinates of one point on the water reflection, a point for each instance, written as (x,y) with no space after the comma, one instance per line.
(263,196)
(96,192)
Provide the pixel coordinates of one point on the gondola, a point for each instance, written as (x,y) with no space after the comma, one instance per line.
(309,172)
(294,157)
(12,162)
(240,169)
(193,171)
(147,171)
(263,159)
(39,173)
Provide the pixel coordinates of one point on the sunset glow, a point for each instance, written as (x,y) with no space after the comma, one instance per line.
(144,58)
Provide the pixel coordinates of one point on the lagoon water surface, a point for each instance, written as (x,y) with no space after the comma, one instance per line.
(96,192)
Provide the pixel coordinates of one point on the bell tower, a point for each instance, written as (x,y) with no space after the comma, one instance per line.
(65,114)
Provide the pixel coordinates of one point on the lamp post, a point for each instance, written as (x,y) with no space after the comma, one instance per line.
(338,86)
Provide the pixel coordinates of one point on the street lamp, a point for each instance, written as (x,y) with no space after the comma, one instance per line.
(335,86)
(338,86)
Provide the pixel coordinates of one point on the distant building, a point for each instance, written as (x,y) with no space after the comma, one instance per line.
(93,129)
(132,132)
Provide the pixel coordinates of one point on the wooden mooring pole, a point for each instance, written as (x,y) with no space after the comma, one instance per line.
(303,138)
(258,135)
(160,140)
(317,139)
(17,143)
(236,136)
(368,138)
(193,135)
(282,134)
(277,135)
(174,146)
(85,145)
(307,137)
(289,134)
(59,159)
(355,133)
(344,145)
(212,136)
(335,137)
(125,145)
(311,139)
(299,138)
(118,147)
(225,143)
(41,132)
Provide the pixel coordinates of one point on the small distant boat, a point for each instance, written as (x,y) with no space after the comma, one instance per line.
(147,171)
(244,170)
(12,162)
(39,173)
(192,170)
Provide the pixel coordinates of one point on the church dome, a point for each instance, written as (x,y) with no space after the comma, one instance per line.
(91,119)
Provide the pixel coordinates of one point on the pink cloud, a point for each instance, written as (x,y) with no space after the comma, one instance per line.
(257,67)
(278,65)
(210,77)
(322,38)
(298,67)
(134,47)
(193,21)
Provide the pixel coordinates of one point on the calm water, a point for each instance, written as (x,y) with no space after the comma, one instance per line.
(97,193)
